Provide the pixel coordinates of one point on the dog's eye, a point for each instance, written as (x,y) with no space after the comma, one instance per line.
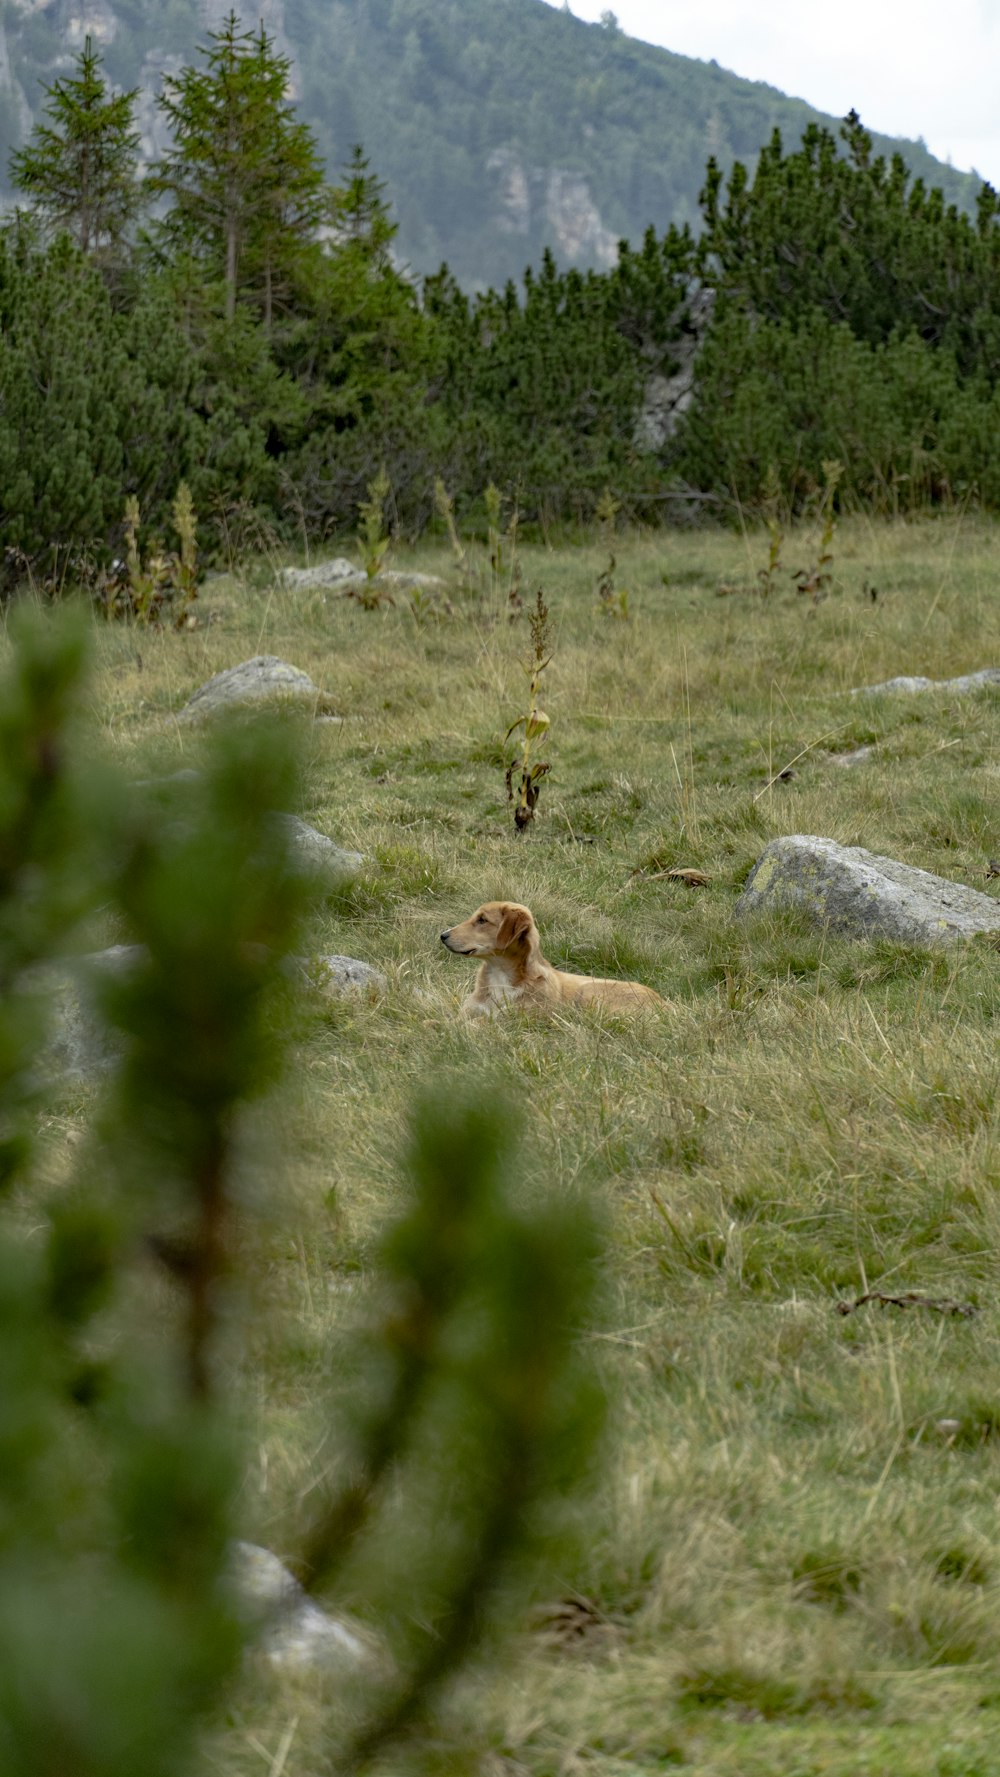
(481,921)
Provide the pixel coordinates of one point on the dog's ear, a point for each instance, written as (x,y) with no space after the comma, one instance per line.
(515,924)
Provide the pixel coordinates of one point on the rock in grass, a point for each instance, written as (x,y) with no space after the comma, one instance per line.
(846,761)
(315,852)
(291,1631)
(856,892)
(253,681)
(988,675)
(400,580)
(337,975)
(320,575)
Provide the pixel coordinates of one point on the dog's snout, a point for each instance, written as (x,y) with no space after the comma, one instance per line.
(446,935)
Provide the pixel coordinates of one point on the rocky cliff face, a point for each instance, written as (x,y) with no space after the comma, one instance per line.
(551,200)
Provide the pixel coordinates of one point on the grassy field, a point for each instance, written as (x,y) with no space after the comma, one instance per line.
(788,1559)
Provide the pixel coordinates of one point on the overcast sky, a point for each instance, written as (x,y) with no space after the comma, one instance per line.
(911,68)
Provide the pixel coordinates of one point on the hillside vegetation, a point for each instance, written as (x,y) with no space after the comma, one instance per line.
(785,1557)
(230,325)
(501,126)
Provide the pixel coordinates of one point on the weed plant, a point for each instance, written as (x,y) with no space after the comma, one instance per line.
(786,1557)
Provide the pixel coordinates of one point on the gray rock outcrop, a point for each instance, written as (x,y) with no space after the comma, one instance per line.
(558,197)
(854,891)
(666,399)
(987,675)
(253,681)
(292,1632)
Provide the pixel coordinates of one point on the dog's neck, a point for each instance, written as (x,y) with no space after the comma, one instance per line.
(521,962)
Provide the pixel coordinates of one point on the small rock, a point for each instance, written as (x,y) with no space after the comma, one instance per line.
(855,891)
(315,852)
(292,1632)
(321,574)
(859,756)
(253,681)
(988,675)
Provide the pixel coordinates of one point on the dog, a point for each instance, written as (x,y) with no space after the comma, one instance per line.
(514,970)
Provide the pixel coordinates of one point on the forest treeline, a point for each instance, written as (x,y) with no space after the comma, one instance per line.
(231,321)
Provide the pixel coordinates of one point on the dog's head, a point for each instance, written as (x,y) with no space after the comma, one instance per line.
(500,928)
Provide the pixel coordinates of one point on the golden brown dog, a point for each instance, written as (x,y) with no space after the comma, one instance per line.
(514,969)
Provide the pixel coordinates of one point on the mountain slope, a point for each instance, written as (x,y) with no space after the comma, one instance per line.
(499,126)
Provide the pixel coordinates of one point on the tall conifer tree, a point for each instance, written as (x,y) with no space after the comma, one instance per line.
(80,168)
(243,177)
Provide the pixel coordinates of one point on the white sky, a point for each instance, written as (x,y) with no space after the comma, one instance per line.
(910,67)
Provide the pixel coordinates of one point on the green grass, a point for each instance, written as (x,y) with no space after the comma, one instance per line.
(791,1559)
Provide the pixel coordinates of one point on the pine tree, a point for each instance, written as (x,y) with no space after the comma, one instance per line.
(243,176)
(361,211)
(80,170)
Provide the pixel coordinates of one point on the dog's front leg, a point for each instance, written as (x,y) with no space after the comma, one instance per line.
(473,1008)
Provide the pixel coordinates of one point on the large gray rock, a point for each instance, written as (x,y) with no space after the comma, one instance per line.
(319,576)
(857,892)
(292,1632)
(253,681)
(338,975)
(315,852)
(987,675)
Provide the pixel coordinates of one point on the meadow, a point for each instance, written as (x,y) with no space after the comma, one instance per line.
(786,1558)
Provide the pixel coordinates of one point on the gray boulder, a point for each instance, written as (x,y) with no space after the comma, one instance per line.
(319,576)
(253,681)
(988,675)
(292,1632)
(855,891)
(315,852)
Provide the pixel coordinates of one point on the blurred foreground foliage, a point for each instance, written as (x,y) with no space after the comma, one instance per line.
(122,1435)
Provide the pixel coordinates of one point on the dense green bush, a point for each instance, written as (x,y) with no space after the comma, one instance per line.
(780,398)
